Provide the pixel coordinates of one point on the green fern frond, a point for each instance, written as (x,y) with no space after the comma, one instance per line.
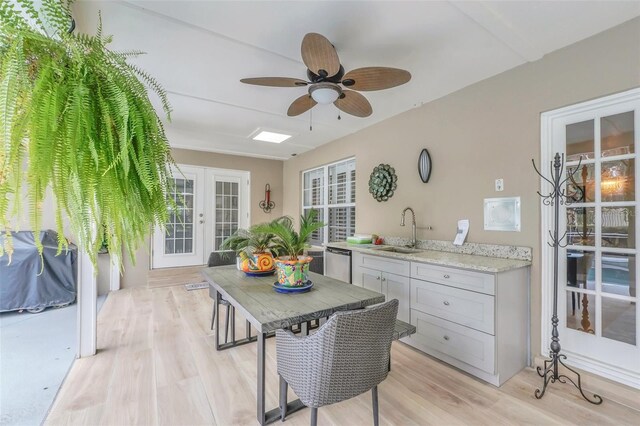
(79,116)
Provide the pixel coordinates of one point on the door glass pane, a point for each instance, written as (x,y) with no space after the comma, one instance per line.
(176,240)
(618,273)
(580,138)
(618,227)
(581,312)
(581,272)
(581,226)
(227,211)
(581,186)
(617,180)
(619,320)
(617,134)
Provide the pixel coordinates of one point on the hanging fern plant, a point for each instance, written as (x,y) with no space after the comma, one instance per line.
(76,117)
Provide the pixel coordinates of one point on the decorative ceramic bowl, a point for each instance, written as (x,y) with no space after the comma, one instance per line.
(259,263)
(293,273)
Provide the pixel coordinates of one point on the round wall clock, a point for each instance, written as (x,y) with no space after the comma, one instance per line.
(383,182)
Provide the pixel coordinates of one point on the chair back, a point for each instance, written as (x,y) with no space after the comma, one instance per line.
(222,258)
(347,356)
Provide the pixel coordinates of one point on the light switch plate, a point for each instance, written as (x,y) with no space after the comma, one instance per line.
(499,185)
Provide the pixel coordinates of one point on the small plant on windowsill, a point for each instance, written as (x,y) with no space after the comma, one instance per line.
(255,251)
(292,265)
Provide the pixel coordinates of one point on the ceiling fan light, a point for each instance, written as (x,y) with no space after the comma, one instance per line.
(325,93)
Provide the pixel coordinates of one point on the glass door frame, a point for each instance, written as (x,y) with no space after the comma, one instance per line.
(244,195)
(203,217)
(553,139)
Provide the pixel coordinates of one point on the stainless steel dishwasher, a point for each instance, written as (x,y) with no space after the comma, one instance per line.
(338,264)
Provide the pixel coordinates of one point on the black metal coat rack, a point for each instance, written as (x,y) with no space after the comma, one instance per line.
(556,197)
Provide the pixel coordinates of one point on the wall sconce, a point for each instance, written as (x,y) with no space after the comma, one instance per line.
(424,166)
(266,205)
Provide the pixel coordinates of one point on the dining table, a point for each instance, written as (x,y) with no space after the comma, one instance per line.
(266,310)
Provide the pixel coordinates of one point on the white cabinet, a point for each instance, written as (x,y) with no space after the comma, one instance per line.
(467,308)
(379,275)
(475,321)
(478,322)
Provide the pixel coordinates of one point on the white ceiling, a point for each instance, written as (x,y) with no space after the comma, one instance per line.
(199,50)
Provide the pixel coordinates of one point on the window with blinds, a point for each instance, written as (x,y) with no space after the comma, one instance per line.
(331,190)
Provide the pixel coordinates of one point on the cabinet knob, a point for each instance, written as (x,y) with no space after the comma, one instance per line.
(446,276)
(378,278)
(384,279)
(446,338)
(446,303)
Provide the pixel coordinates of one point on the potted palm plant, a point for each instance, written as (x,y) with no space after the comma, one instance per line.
(292,265)
(254,250)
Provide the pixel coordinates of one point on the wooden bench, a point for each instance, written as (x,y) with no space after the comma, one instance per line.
(403,329)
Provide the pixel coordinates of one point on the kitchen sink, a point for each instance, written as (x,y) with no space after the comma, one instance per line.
(404,250)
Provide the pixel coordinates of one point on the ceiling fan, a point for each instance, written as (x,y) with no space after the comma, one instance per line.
(327,78)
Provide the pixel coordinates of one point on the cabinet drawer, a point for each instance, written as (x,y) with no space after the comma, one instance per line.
(468,280)
(462,343)
(384,264)
(463,307)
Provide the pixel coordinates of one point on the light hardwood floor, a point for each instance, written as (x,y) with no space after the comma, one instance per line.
(157,365)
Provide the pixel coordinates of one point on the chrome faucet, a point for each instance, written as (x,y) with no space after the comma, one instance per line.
(413,226)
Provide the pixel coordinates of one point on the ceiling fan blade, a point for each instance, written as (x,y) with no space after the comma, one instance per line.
(375,78)
(275,81)
(354,103)
(319,54)
(302,104)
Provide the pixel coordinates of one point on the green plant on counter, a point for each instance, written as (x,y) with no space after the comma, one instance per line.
(76,117)
(288,242)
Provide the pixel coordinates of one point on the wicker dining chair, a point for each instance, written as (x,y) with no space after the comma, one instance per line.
(347,356)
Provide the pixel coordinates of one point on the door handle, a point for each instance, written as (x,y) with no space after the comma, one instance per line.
(446,303)
(445,337)
(201,221)
(446,276)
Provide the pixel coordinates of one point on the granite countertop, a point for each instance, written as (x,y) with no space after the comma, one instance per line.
(442,258)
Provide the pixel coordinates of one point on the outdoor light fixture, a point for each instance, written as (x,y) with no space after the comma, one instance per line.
(325,93)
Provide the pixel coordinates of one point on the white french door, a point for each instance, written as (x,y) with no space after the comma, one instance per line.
(598,302)
(212,205)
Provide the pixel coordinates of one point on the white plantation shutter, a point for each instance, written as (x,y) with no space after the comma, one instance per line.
(331,190)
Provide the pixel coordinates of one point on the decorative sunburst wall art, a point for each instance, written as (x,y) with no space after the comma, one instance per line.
(383,182)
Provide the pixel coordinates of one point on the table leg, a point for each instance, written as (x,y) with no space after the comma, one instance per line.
(233,323)
(260,390)
(217,302)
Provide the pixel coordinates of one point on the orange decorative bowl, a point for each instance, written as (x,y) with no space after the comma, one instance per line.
(259,263)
